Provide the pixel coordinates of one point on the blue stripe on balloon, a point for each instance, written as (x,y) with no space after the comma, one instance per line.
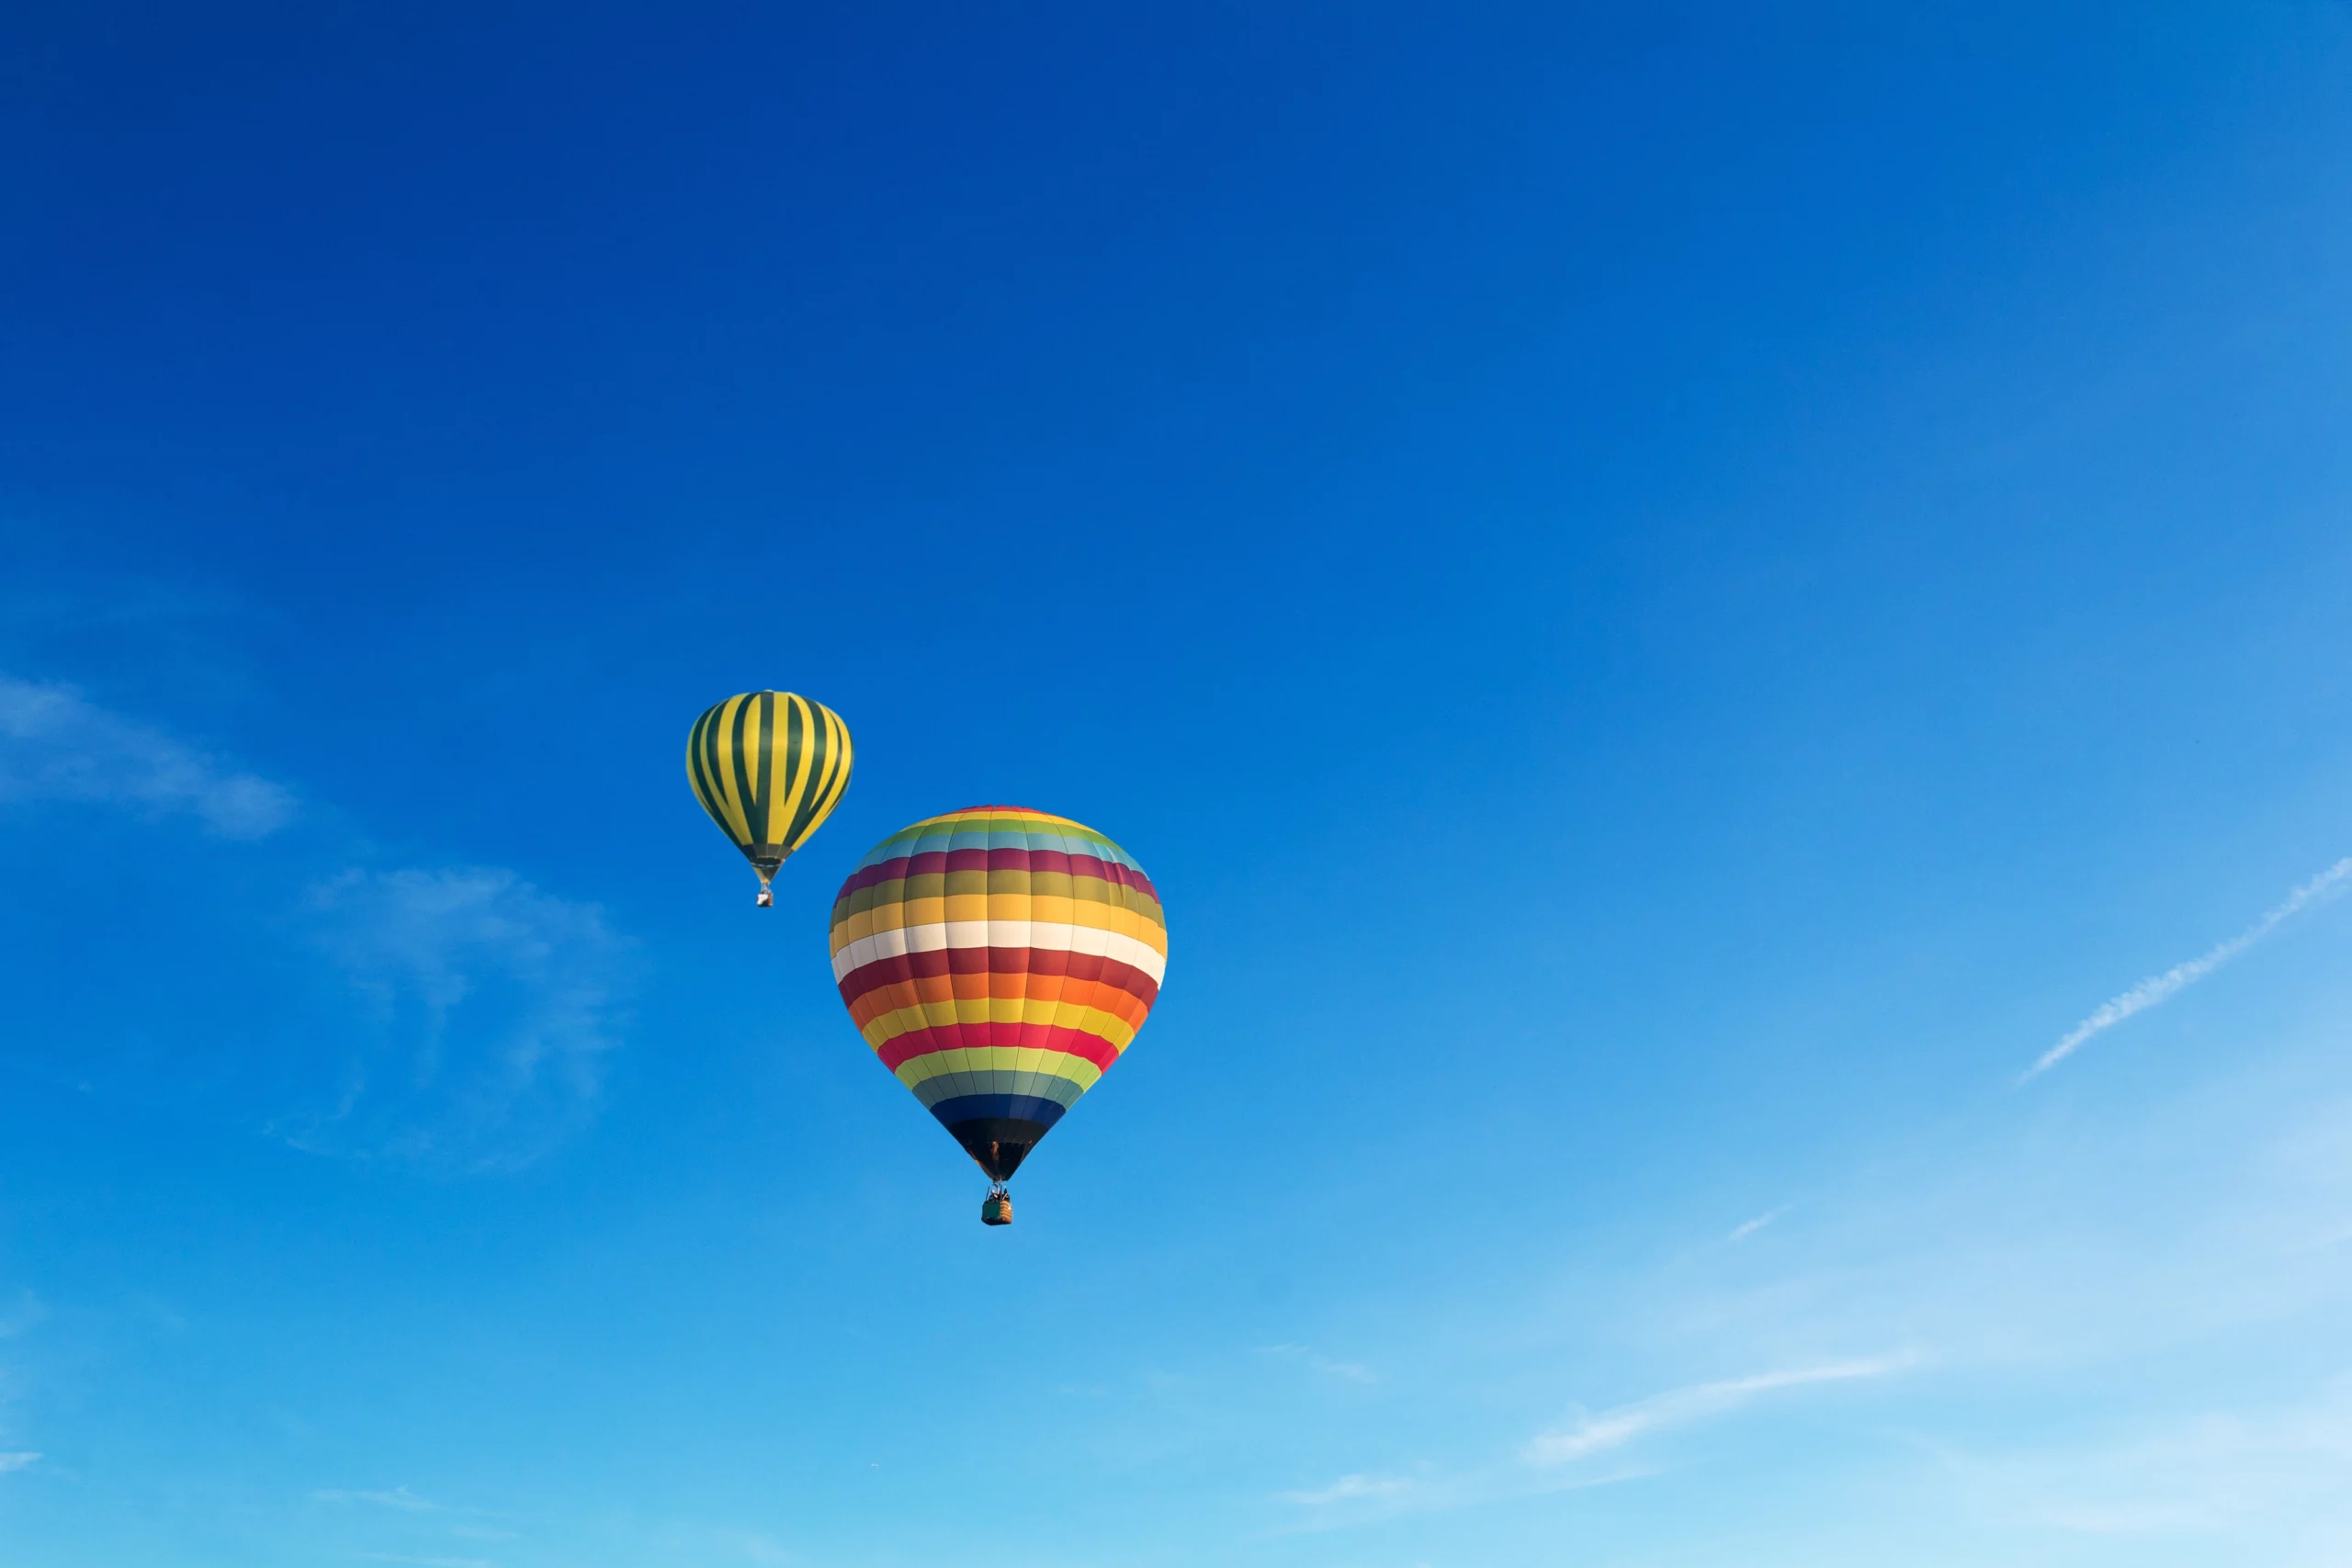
(1012,1107)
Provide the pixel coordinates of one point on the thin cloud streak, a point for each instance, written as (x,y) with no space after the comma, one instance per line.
(1358,1500)
(1614,1429)
(2172,982)
(1553,1462)
(56,744)
(15,1462)
(1742,1232)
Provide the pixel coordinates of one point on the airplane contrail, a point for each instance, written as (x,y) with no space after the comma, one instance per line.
(2164,987)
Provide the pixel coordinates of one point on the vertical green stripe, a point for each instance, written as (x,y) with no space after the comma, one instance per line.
(765,808)
(796,762)
(811,752)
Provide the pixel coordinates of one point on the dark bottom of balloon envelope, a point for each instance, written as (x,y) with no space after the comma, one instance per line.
(998,1130)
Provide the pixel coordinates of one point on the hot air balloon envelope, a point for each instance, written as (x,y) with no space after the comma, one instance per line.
(769,767)
(997,960)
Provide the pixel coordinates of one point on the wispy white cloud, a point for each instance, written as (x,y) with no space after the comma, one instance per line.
(493,1009)
(1742,1230)
(1556,1461)
(2027,1259)
(15,1462)
(2172,982)
(56,744)
(1589,1435)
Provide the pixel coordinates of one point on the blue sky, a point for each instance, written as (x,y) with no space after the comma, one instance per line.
(1672,601)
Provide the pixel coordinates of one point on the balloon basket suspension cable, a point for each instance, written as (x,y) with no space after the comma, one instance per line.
(996,1208)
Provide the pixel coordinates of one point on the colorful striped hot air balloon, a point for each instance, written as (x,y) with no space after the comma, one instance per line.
(997,960)
(769,767)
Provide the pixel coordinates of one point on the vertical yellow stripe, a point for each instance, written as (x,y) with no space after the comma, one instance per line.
(779,769)
(754,765)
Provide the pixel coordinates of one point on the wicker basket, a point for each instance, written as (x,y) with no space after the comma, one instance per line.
(997,1209)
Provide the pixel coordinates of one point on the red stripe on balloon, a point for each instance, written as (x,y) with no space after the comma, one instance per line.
(1044,962)
(924,1042)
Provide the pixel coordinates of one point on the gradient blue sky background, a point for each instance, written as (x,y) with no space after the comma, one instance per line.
(1671,599)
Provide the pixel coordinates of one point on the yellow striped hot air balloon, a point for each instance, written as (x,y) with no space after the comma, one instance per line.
(769,767)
